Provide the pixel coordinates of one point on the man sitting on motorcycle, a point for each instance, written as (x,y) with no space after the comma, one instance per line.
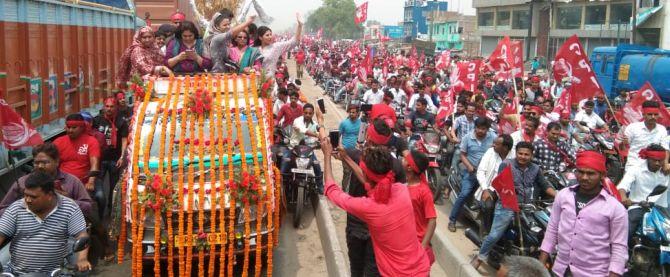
(486,171)
(591,119)
(529,185)
(422,92)
(636,185)
(374,95)
(305,131)
(639,135)
(587,225)
(39,226)
(528,133)
(473,146)
(420,118)
(551,151)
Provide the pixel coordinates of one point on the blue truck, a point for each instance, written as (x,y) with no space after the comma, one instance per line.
(628,67)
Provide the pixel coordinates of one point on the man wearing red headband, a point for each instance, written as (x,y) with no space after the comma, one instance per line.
(639,135)
(115,129)
(79,152)
(177,18)
(588,226)
(122,108)
(528,133)
(637,184)
(387,211)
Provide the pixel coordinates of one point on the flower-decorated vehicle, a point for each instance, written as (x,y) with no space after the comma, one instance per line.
(201,190)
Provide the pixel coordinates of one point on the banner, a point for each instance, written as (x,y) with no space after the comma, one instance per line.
(516,59)
(571,61)
(16,132)
(447,106)
(466,74)
(35,98)
(632,111)
(507,59)
(500,57)
(361,13)
(504,185)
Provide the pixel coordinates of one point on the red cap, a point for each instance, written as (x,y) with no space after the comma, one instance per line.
(178,16)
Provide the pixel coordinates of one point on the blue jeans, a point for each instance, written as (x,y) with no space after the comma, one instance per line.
(468,185)
(502,217)
(340,93)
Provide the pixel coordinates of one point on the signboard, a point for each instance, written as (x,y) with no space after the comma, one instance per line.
(394,32)
(35,98)
(52,88)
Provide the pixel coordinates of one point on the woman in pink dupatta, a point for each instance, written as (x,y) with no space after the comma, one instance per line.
(142,57)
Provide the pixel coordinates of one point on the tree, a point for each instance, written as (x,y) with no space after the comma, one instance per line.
(336,17)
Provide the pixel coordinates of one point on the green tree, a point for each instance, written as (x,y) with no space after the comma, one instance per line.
(336,17)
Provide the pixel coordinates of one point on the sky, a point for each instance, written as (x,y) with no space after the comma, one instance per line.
(388,12)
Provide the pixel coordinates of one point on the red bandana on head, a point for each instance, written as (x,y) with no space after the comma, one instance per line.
(592,160)
(381,193)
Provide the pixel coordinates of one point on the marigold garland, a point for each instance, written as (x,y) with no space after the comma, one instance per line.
(220,189)
(173,127)
(232,206)
(190,197)
(257,170)
(213,189)
(181,176)
(201,188)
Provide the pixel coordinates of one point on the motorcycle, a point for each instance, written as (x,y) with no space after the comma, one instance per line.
(68,268)
(559,180)
(651,254)
(523,237)
(471,208)
(301,182)
(429,143)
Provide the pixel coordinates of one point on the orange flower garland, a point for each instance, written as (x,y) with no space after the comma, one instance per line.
(190,198)
(232,206)
(180,177)
(170,236)
(219,106)
(134,193)
(159,172)
(257,169)
(243,160)
(254,150)
(213,189)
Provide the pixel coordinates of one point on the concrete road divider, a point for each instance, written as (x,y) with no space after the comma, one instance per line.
(450,258)
(336,261)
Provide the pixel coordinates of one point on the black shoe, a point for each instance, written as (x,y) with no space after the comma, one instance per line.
(452,227)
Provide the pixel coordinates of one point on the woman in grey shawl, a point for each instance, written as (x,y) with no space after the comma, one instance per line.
(218,38)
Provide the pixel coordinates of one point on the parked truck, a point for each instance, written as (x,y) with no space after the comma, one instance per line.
(628,67)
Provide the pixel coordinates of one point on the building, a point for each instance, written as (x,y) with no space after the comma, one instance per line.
(454,31)
(597,23)
(416,12)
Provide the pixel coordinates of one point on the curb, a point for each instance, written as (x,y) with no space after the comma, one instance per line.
(448,256)
(336,263)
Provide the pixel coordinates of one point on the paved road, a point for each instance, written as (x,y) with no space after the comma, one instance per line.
(334,115)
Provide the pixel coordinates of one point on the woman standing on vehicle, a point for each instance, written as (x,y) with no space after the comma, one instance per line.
(271,50)
(186,52)
(142,57)
(387,211)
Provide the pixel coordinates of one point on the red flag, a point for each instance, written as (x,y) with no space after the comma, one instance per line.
(361,13)
(319,33)
(445,60)
(499,59)
(466,74)
(504,185)
(506,126)
(632,111)
(15,131)
(571,61)
(516,59)
(563,102)
(447,106)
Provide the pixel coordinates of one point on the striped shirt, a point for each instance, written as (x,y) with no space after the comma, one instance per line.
(46,238)
(463,126)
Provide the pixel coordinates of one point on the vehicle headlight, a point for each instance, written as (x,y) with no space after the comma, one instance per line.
(302,163)
(432,148)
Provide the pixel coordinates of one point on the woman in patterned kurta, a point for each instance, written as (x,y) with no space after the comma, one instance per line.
(142,57)
(271,51)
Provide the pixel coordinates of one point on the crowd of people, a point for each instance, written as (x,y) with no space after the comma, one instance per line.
(391,97)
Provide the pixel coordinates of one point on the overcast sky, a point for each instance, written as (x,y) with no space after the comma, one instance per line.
(388,12)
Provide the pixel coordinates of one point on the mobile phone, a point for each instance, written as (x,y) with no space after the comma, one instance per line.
(334,136)
(366,107)
(322,105)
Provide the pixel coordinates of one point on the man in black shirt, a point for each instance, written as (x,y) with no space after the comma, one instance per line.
(115,129)
(421,119)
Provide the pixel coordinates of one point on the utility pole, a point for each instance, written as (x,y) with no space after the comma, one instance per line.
(530,30)
(634,28)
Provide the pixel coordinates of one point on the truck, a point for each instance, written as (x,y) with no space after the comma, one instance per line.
(628,67)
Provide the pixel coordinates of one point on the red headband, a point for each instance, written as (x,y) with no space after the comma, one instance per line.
(120,96)
(178,16)
(650,154)
(651,110)
(592,160)
(382,190)
(536,109)
(410,161)
(75,123)
(375,137)
(110,100)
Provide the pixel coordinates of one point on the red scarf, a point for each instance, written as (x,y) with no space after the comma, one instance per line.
(381,193)
(526,137)
(113,129)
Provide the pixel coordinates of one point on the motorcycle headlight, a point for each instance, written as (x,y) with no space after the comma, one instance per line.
(302,163)
(432,148)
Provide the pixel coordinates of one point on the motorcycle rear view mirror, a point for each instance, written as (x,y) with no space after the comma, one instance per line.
(80,244)
(658,190)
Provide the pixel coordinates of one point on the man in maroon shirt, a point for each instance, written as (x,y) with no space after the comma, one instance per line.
(289,112)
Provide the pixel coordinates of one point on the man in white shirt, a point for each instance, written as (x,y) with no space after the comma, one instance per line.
(528,133)
(422,92)
(636,185)
(374,95)
(486,171)
(587,115)
(639,135)
(305,128)
(282,96)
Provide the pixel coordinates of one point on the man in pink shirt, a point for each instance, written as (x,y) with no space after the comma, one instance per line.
(588,226)
(387,211)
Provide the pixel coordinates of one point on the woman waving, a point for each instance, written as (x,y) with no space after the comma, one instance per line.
(270,50)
